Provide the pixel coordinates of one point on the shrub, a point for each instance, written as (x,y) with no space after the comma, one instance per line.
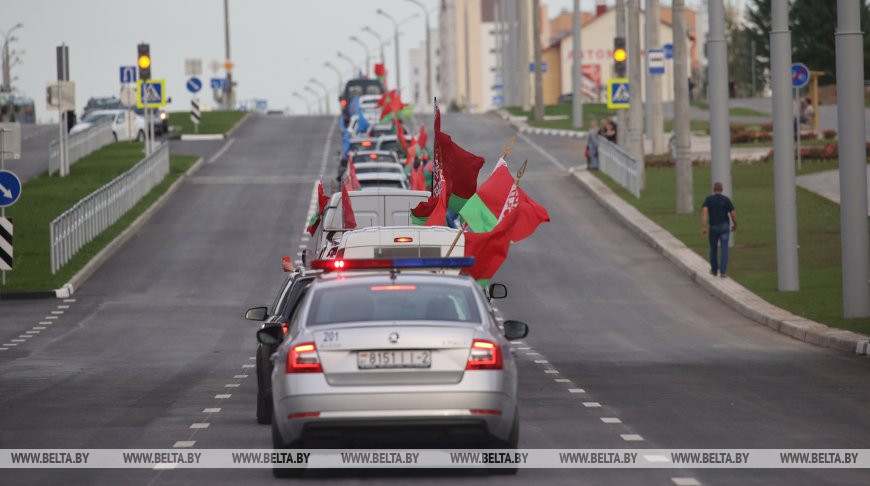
(829,134)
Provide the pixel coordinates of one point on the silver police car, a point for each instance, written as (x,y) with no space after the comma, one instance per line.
(393,357)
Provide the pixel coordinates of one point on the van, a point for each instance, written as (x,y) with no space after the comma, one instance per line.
(401,242)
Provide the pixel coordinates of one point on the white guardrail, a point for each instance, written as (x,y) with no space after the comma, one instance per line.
(78,225)
(619,165)
(80,145)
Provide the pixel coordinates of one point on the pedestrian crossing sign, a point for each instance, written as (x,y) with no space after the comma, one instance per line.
(618,97)
(151,93)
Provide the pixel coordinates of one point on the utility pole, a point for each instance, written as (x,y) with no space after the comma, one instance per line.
(576,70)
(635,110)
(467,55)
(654,116)
(522,71)
(685,202)
(228,94)
(621,115)
(783,150)
(853,169)
(536,42)
(428,50)
(510,55)
(717,92)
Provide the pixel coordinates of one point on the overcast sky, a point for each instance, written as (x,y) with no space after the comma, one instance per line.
(277,45)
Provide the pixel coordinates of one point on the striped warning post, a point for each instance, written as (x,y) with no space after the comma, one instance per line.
(5,244)
(195,114)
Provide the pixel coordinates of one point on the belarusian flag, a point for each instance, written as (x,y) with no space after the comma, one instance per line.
(354,182)
(482,210)
(347,216)
(460,168)
(381,74)
(322,200)
(524,212)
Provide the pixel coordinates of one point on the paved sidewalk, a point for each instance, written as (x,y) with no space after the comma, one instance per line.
(827,185)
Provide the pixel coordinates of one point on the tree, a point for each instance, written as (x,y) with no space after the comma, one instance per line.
(740,39)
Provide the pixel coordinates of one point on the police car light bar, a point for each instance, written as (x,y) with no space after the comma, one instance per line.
(356,264)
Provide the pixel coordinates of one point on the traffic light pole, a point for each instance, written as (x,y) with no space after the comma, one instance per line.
(621,115)
(635,110)
(685,204)
(720,133)
(577,70)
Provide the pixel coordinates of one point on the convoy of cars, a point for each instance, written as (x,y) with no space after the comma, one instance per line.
(379,339)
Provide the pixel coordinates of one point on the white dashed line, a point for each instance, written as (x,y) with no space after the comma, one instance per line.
(541,361)
(247,366)
(69,300)
(231,385)
(591,404)
(552,372)
(631,437)
(32,332)
(533,353)
(524,348)
(656,458)
(44,322)
(3,349)
(25,336)
(184,443)
(18,340)
(576,390)
(611,420)
(223,396)
(252,357)
(50,318)
(63,307)
(562,380)
(686,481)
(10,344)
(39,328)
(240,376)
(57,312)
(199,425)
(211,410)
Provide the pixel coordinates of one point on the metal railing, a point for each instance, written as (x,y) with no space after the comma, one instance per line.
(78,225)
(619,165)
(80,145)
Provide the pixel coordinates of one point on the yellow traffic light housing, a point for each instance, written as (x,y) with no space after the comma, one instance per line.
(144,61)
(619,55)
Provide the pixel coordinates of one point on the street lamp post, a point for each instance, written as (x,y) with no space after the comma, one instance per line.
(428,50)
(7,38)
(344,56)
(378,37)
(304,99)
(365,50)
(337,73)
(396,28)
(325,93)
(316,96)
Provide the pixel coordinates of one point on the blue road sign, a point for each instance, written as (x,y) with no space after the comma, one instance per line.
(219,83)
(194,85)
(618,94)
(128,74)
(655,59)
(669,51)
(543,67)
(800,75)
(10,188)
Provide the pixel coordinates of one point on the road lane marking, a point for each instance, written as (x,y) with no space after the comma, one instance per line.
(611,420)
(39,328)
(221,151)
(247,366)
(10,344)
(533,353)
(184,443)
(3,349)
(543,152)
(223,396)
(686,481)
(252,357)
(199,425)
(57,312)
(44,322)
(50,317)
(541,361)
(562,380)
(631,437)
(591,404)
(576,390)
(211,410)
(524,348)
(231,385)
(63,307)
(18,340)
(552,372)
(69,300)
(240,376)
(33,331)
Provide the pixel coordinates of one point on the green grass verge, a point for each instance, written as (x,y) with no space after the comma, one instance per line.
(45,198)
(703,105)
(590,111)
(700,127)
(743,111)
(813,142)
(211,121)
(752,262)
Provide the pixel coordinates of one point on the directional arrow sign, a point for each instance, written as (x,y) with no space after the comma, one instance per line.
(10,188)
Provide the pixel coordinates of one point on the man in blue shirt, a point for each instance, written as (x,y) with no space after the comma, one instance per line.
(717,208)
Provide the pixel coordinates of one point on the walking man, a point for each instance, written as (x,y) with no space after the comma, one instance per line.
(717,209)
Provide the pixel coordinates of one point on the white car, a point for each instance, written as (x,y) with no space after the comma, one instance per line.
(126,124)
(401,242)
(378,167)
(382,180)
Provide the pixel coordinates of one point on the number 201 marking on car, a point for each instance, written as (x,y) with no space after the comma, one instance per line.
(330,336)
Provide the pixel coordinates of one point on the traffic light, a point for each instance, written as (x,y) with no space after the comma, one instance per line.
(619,56)
(144,62)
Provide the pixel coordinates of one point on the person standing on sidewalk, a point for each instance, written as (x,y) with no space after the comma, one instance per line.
(717,209)
(592,145)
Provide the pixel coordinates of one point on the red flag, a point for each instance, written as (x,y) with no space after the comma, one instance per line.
(322,201)
(421,139)
(418,181)
(385,97)
(438,215)
(489,249)
(380,70)
(354,182)
(412,153)
(524,213)
(459,165)
(348,219)
(393,104)
(400,134)
(495,189)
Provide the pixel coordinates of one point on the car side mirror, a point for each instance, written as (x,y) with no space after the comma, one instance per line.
(497,291)
(270,335)
(515,330)
(256,314)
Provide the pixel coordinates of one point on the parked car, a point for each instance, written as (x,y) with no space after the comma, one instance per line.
(126,124)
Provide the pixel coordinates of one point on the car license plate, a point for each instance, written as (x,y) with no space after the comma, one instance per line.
(394,359)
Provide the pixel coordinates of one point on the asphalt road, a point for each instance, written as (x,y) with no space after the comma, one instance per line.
(35,140)
(157,333)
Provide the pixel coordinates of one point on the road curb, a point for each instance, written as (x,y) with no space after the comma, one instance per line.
(238,124)
(520,123)
(732,293)
(200,137)
(77,280)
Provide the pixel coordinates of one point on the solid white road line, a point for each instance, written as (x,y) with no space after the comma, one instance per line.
(184,443)
(611,420)
(543,152)
(220,152)
(631,437)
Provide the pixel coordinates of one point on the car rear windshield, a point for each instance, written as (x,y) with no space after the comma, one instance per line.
(359,159)
(358,88)
(391,301)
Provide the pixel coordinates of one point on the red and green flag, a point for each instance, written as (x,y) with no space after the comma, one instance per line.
(322,201)
(482,210)
(347,216)
(489,250)
(381,74)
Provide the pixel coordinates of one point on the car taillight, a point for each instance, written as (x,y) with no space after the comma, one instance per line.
(302,358)
(485,355)
(343,103)
(285,327)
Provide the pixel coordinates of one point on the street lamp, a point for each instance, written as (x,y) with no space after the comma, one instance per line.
(316,95)
(396,29)
(378,37)
(337,72)
(307,103)
(365,49)
(325,93)
(428,50)
(352,64)
(7,38)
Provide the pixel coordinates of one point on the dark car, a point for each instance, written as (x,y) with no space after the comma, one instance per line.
(358,87)
(278,315)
